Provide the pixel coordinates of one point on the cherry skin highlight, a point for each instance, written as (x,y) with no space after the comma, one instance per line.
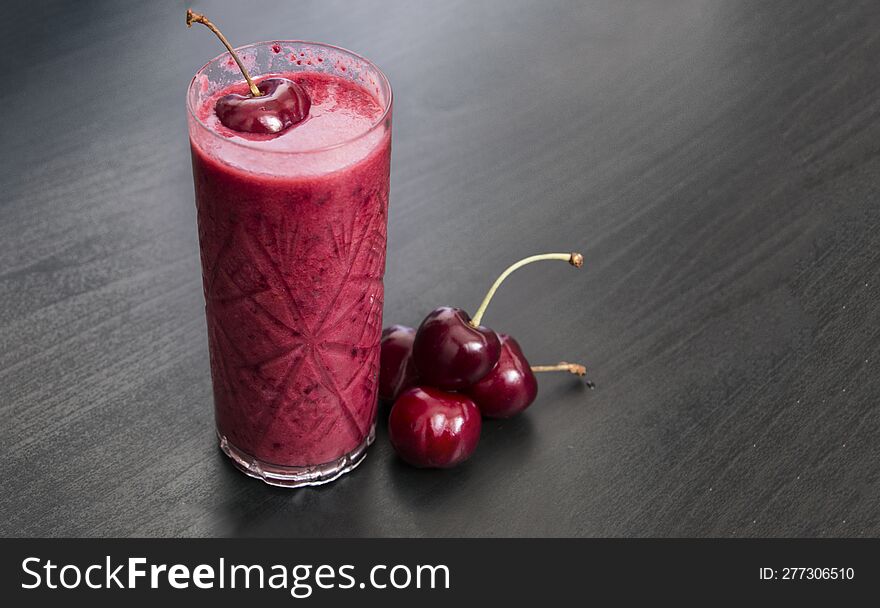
(430,428)
(450,353)
(397,370)
(282,104)
(510,387)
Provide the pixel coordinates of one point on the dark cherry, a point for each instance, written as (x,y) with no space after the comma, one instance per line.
(510,387)
(430,428)
(282,104)
(273,105)
(450,353)
(397,371)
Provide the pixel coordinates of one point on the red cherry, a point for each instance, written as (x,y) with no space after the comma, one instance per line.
(510,387)
(453,351)
(430,428)
(397,371)
(283,103)
(450,353)
(273,105)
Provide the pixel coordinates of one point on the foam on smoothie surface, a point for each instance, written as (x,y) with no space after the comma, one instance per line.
(341,110)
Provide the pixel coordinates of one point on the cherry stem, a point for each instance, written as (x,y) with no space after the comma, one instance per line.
(193,17)
(562,366)
(575,259)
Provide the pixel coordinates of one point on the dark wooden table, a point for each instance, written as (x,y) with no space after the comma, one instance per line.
(718,163)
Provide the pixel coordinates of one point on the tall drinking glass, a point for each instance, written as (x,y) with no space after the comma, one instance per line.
(292,231)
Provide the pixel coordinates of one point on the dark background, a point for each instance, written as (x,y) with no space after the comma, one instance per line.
(716,162)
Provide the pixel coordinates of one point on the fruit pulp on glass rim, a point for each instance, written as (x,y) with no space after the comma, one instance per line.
(293,256)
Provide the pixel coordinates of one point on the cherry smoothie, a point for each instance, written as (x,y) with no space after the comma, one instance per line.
(292,230)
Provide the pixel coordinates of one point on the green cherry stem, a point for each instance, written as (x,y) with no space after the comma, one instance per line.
(575,259)
(194,17)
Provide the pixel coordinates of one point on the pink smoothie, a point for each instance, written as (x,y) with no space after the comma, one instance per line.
(292,230)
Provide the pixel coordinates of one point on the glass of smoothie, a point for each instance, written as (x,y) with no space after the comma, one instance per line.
(292,232)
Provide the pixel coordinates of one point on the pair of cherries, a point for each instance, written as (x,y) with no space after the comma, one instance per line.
(273,105)
(449,373)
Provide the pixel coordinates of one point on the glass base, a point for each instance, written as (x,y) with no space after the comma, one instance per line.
(296,477)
